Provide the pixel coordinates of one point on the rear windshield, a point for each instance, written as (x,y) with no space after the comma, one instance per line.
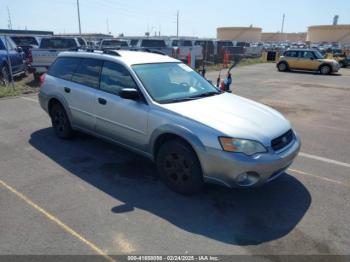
(81,41)
(182,43)
(58,43)
(114,43)
(153,43)
(24,40)
(204,43)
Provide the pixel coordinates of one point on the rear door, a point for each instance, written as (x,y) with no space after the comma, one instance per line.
(77,80)
(16,58)
(120,119)
(292,58)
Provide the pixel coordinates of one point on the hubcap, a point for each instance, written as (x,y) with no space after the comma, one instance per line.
(325,70)
(177,169)
(59,121)
(282,67)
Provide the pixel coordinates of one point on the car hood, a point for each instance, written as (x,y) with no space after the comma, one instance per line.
(234,116)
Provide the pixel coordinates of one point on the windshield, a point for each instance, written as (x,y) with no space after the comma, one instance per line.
(318,55)
(173,82)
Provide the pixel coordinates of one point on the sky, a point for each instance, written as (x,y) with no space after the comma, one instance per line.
(197,17)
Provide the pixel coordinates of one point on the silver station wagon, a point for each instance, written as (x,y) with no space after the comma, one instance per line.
(161,108)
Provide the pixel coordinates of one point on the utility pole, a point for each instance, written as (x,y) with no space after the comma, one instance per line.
(177,23)
(284,16)
(9,19)
(107,24)
(79,17)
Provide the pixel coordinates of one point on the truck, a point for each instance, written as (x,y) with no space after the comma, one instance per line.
(11,59)
(48,51)
(183,47)
(154,45)
(26,42)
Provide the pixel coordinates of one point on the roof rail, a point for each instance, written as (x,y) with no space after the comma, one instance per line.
(111,52)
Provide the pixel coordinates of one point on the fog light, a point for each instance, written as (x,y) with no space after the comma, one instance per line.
(248,179)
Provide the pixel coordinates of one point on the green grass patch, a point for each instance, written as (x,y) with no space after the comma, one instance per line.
(7,91)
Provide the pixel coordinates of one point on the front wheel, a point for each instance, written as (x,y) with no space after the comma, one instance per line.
(179,167)
(325,70)
(60,122)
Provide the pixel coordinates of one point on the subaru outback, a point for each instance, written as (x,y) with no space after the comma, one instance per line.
(160,108)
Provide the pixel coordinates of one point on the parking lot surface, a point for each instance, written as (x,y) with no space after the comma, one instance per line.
(85,196)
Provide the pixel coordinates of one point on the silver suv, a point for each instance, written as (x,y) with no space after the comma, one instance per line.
(161,108)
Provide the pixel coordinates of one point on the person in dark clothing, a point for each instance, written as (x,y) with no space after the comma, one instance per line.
(228,82)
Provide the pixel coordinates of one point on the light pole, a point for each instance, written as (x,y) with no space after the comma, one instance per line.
(79,17)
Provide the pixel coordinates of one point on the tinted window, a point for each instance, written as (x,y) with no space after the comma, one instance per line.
(81,41)
(64,67)
(114,78)
(306,54)
(24,40)
(58,43)
(291,54)
(88,72)
(153,43)
(2,46)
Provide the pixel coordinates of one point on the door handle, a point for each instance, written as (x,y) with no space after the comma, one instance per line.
(102,101)
(67,90)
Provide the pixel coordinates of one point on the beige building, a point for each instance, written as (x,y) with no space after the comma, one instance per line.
(239,33)
(275,37)
(329,33)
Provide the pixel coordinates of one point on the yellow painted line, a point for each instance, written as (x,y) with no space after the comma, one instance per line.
(319,177)
(57,222)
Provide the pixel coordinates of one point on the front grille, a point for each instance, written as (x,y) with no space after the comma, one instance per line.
(282,141)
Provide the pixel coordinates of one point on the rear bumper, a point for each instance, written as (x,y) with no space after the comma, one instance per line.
(239,170)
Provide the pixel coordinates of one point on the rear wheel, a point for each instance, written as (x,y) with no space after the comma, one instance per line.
(4,76)
(179,167)
(60,122)
(282,67)
(325,70)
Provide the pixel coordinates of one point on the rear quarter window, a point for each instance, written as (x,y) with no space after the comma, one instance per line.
(64,67)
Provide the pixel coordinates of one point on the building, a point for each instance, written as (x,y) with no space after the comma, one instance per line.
(25,32)
(89,36)
(276,37)
(251,34)
(329,33)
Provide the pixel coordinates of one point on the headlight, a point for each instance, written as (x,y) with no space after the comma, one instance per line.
(248,147)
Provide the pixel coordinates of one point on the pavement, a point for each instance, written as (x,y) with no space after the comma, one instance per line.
(85,196)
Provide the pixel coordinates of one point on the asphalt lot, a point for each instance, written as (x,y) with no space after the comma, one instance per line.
(85,196)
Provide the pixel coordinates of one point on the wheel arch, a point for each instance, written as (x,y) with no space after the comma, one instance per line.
(60,100)
(325,64)
(168,132)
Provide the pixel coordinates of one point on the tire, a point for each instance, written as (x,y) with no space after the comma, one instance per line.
(60,122)
(179,167)
(282,67)
(325,70)
(4,76)
(341,64)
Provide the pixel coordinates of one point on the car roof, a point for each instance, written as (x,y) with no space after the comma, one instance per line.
(127,57)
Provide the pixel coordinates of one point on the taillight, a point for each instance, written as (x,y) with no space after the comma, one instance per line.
(42,79)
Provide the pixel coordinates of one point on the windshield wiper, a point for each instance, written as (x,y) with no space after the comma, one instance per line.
(213,93)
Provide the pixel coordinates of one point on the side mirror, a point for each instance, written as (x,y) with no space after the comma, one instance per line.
(19,49)
(129,93)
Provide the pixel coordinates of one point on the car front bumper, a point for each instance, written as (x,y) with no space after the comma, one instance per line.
(239,170)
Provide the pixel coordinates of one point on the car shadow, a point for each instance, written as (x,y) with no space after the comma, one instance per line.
(311,73)
(234,216)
